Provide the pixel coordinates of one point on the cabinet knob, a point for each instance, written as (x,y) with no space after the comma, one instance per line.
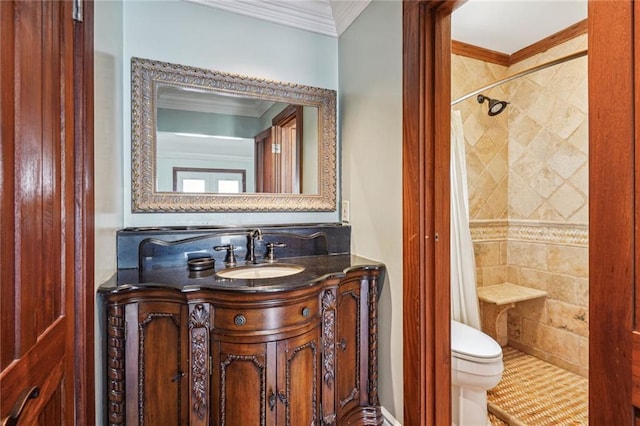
(240,320)
(306,311)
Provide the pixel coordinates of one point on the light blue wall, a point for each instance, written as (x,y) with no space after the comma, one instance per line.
(186,33)
(371,132)
(108,165)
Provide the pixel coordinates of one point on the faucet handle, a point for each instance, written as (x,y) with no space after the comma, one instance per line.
(270,255)
(230,258)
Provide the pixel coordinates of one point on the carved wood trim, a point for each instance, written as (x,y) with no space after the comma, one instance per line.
(116,365)
(199,330)
(373,341)
(314,393)
(263,384)
(329,336)
(141,366)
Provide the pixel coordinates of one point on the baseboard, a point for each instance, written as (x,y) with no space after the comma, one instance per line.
(388,419)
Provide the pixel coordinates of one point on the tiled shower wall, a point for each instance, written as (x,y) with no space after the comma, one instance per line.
(528,190)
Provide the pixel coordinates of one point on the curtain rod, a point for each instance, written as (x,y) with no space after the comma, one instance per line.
(558,61)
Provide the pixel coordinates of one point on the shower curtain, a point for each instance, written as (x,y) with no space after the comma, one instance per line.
(464,296)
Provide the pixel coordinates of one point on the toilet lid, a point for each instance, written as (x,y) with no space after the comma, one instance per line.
(468,342)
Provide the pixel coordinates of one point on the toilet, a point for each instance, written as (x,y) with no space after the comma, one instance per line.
(476,366)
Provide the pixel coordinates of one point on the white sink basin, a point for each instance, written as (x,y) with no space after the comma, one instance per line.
(256,272)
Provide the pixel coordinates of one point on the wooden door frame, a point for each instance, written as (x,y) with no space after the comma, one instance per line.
(84,229)
(426,128)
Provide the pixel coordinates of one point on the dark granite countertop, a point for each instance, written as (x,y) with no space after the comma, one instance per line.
(317,268)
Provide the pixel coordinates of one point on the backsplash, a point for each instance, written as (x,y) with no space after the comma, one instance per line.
(173,246)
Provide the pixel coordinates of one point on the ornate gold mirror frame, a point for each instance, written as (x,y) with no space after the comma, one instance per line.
(147,76)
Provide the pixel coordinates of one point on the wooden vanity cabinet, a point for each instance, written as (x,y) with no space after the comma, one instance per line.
(147,365)
(297,357)
(266,357)
(274,383)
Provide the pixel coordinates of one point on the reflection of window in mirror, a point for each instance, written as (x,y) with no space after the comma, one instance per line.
(203,180)
(228,186)
(193,185)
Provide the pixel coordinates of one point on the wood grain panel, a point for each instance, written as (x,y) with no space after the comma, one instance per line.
(426,138)
(611,206)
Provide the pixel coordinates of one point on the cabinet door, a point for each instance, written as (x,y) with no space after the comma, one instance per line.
(243,391)
(299,379)
(157,388)
(349,334)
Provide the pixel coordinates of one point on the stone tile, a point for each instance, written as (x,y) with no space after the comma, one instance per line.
(487,254)
(560,343)
(545,182)
(473,130)
(582,292)
(583,354)
(535,278)
(564,288)
(567,200)
(568,260)
(567,160)
(580,137)
(498,167)
(523,200)
(565,119)
(571,318)
(485,149)
(530,255)
(494,275)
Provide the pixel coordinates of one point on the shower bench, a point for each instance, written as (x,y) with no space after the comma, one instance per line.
(498,299)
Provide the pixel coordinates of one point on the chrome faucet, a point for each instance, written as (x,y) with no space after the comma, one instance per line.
(254,235)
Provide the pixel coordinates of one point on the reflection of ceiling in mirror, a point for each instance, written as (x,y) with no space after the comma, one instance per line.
(189,100)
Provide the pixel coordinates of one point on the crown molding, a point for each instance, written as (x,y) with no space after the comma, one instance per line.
(327,17)
(315,16)
(345,12)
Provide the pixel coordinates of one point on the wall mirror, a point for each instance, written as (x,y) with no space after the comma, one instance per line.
(207,141)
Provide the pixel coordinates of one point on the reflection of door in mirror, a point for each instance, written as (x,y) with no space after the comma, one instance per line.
(278,153)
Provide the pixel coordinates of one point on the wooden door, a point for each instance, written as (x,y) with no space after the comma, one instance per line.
(243,390)
(265,162)
(288,134)
(157,366)
(299,379)
(46,304)
(348,347)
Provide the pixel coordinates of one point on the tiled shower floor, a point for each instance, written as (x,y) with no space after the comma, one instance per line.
(534,392)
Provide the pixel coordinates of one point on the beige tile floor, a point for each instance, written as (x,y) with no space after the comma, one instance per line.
(535,393)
